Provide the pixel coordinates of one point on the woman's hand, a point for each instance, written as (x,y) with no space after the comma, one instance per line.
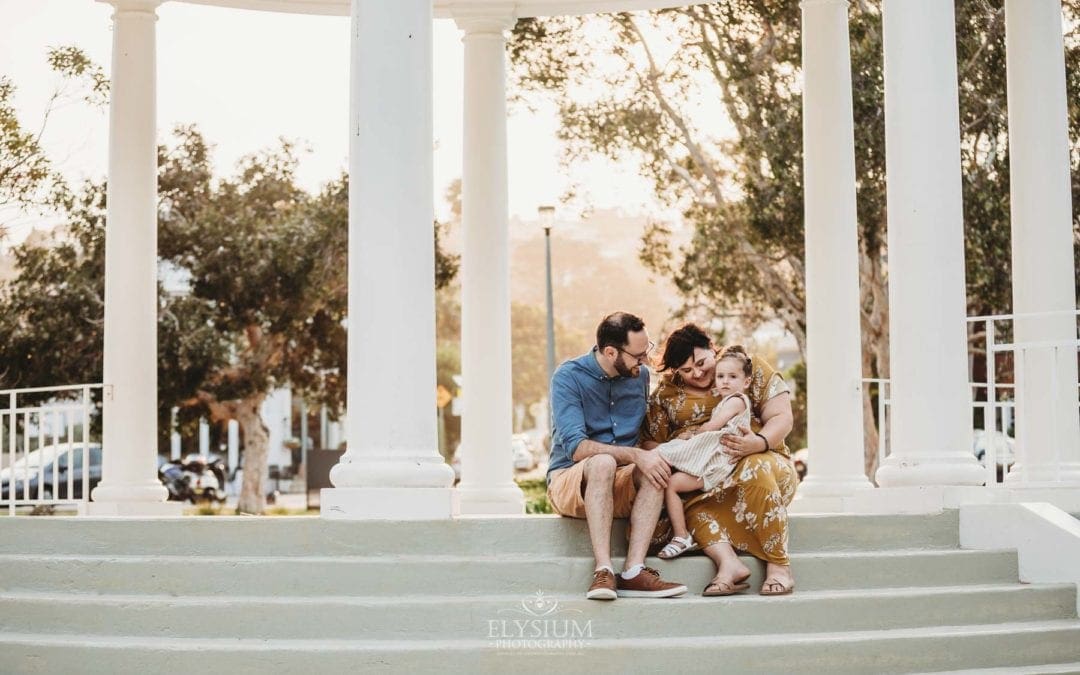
(685,436)
(743,444)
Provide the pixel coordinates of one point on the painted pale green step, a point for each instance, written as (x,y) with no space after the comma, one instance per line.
(1043,669)
(891,651)
(441,616)
(457,575)
(535,535)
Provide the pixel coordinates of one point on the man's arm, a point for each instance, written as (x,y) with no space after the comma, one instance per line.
(568,411)
(622,454)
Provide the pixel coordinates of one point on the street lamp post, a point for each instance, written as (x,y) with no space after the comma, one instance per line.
(547,220)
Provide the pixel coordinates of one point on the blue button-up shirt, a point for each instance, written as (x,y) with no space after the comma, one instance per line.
(588,404)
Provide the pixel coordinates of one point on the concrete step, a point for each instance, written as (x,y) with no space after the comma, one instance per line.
(446,617)
(888,651)
(1043,669)
(482,536)
(461,576)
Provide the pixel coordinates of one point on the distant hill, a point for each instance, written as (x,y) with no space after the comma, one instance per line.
(595,267)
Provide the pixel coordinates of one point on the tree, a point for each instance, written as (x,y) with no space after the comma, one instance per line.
(28,182)
(743,192)
(266,307)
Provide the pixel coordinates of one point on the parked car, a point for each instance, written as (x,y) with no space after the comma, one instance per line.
(44,473)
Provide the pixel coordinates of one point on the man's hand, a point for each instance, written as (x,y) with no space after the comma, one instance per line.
(654,467)
(742,444)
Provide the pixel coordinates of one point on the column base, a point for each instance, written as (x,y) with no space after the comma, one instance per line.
(933,499)
(508,500)
(393,503)
(391,472)
(134,509)
(1066,472)
(930,470)
(146,492)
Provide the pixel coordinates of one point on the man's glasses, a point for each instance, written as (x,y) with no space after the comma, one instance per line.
(640,358)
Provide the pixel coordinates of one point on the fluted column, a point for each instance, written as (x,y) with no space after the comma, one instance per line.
(487,471)
(1043,272)
(931,398)
(392,468)
(129,482)
(833,343)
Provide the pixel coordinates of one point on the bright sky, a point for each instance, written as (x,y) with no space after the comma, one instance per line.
(246,78)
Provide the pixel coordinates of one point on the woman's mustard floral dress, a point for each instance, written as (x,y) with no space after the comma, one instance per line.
(749,509)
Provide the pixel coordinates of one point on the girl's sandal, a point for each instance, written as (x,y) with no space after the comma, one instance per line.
(676,547)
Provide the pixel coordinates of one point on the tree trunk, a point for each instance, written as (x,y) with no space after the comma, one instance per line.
(875,345)
(256,444)
(870,428)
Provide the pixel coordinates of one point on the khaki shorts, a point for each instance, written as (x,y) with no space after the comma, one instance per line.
(566,492)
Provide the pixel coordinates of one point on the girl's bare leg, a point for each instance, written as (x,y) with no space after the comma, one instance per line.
(680,482)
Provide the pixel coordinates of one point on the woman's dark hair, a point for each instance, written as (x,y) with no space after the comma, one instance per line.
(738,353)
(615,328)
(681,344)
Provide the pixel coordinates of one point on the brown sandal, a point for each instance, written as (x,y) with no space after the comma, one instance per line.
(784,588)
(725,588)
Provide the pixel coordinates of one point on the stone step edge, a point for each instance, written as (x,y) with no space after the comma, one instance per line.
(508,558)
(164,643)
(1042,669)
(116,599)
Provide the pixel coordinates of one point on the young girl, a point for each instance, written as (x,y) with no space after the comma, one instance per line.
(699,458)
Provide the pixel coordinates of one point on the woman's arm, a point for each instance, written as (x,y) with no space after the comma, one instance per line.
(776,423)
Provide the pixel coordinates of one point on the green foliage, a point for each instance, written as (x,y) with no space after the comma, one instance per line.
(796,376)
(267,300)
(52,314)
(27,179)
(743,192)
(535,490)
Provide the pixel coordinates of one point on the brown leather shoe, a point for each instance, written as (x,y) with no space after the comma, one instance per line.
(603,585)
(647,584)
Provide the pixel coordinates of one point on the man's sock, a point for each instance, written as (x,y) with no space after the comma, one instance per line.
(609,568)
(632,572)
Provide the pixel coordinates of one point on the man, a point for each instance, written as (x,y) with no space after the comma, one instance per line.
(596,471)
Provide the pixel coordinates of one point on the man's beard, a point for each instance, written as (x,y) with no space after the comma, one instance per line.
(621,369)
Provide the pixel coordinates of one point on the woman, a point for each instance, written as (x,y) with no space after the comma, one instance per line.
(748,511)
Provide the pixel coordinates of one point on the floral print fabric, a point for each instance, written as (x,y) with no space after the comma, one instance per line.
(749,509)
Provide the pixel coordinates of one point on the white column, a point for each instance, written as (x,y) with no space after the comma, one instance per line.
(1048,429)
(487,471)
(931,398)
(833,342)
(204,437)
(234,445)
(129,482)
(392,468)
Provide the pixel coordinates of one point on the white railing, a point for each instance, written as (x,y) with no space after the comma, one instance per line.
(998,404)
(45,450)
